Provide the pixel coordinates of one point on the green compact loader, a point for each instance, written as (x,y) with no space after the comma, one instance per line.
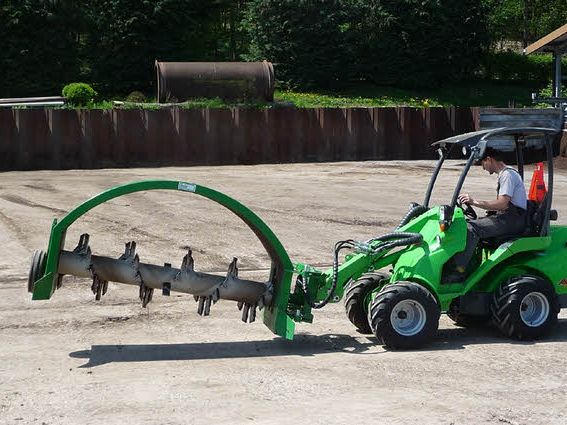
(517,283)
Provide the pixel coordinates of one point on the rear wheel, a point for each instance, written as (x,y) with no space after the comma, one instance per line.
(525,307)
(404,315)
(355,294)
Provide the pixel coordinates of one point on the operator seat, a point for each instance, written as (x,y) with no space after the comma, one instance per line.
(534,221)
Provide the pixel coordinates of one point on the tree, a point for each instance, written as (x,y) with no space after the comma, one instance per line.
(309,41)
(125,37)
(524,21)
(425,42)
(38,47)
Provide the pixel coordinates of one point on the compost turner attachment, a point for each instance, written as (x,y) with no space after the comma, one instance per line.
(48,268)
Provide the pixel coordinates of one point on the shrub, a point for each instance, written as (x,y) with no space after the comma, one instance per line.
(511,66)
(79,94)
(136,97)
(548,91)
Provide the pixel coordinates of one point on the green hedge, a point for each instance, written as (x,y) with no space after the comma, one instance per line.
(510,66)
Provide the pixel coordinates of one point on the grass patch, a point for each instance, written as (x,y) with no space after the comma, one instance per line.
(494,94)
(490,93)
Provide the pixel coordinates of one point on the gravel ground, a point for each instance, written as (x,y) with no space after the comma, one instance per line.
(73,360)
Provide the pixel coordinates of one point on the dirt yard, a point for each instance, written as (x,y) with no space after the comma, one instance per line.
(73,360)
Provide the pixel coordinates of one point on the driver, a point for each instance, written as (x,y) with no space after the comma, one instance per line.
(509,207)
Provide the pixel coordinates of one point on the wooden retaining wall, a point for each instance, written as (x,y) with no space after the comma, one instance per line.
(61,139)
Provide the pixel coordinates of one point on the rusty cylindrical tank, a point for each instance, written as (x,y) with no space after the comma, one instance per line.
(180,81)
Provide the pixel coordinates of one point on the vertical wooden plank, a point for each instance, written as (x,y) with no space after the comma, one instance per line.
(392,132)
(193,132)
(8,138)
(87,153)
(102,133)
(34,150)
(242,151)
(282,136)
(158,146)
(69,134)
(130,147)
(180,148)
(312,141)
(269,148)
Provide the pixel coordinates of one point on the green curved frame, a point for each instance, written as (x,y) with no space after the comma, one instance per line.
(275,316)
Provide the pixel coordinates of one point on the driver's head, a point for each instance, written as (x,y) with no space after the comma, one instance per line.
(491,160)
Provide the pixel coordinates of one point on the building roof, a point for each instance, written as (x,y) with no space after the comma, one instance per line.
(555,41)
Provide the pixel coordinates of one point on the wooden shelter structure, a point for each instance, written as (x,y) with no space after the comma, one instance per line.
(556,43)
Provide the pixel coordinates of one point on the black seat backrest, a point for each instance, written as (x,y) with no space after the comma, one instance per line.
(536,217)
(532,217)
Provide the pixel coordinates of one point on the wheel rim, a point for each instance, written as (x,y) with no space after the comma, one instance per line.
(534,309)
(408,317)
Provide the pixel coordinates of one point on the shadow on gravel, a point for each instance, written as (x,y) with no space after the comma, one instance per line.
(302,345)
(458,338)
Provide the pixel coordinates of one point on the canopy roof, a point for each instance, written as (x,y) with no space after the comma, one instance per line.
(554,42)
(504,140)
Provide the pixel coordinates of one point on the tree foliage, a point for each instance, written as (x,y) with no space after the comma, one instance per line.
(524,21)
(38,46)
(407,42)
(310,41)
(424,42)
(113,44)
(125,37)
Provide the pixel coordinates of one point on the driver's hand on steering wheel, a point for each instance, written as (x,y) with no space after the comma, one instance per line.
(465,198)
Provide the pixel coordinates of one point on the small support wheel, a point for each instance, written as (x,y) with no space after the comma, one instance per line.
(525,307)
(404,315)
(356,293)
(37,268)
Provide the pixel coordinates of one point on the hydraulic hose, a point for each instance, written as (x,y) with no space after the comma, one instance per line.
(388,241)
(415,209)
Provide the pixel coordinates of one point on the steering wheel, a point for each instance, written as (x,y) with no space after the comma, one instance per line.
(467,210)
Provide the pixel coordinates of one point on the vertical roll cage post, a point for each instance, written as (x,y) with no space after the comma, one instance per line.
(442,151)
(520,142)
(473,155)
(549,196)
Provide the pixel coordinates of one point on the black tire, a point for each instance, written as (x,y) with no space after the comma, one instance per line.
(419,305)
(355,293)
(525,308)
(466,320)
(37,268)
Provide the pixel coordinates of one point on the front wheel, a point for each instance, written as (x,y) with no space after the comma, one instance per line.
(525,307)
(355,295)
(404,315)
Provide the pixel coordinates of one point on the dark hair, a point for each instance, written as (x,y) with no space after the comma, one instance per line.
(493,153)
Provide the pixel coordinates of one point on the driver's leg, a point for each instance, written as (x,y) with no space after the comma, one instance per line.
(462,259)
(483,228)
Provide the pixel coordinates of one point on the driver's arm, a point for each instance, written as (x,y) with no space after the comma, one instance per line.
(499,204)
